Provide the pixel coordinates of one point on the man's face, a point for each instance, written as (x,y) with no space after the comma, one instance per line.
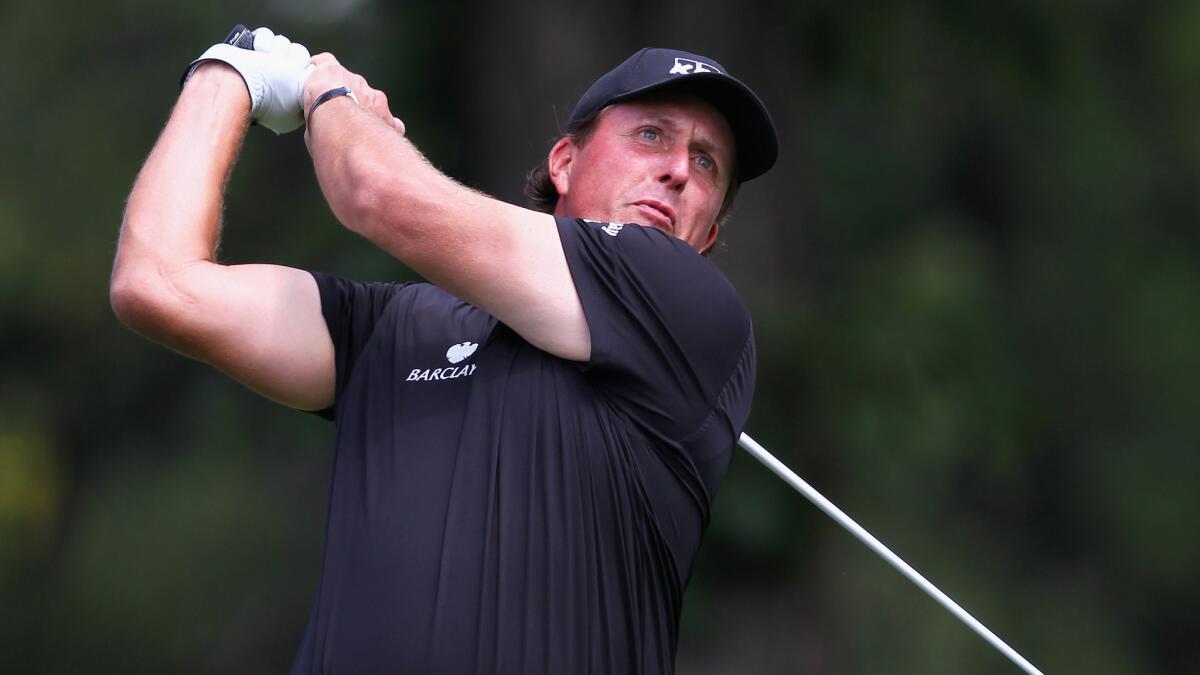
(661,161)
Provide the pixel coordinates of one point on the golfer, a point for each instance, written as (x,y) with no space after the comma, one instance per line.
(528,445)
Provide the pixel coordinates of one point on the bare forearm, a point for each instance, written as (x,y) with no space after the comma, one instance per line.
(377,182)
(173,213)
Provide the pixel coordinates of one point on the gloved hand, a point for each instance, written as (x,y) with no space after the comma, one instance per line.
(274,69)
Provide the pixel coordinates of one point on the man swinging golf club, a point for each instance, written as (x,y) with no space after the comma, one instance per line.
(528,446)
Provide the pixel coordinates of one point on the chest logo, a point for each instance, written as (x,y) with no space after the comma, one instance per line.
(456,354)
(460,351)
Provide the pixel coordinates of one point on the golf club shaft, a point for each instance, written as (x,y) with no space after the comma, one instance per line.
(760,453)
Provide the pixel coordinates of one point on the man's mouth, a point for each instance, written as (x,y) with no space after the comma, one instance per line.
(659,214)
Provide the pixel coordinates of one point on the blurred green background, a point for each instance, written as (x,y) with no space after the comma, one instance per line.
(974,274)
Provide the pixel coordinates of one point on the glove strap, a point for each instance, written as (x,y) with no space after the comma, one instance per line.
(240,37)
(329,95)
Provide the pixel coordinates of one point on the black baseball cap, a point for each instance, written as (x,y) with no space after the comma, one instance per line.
(654,69)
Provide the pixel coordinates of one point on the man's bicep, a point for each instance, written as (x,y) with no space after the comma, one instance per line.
(260,324)
(516,270)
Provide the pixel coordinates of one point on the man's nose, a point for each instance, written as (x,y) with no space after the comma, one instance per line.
(676,168)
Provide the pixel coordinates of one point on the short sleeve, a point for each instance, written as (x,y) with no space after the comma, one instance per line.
(351,310)
(671,341)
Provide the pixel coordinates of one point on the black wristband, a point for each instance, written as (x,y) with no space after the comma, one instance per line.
(331,94)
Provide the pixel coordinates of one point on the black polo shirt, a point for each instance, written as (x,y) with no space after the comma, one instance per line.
(496,509)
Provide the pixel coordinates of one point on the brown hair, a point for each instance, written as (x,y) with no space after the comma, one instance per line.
(539,189)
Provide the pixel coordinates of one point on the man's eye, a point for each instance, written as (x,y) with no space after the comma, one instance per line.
(649,134)
(706,162)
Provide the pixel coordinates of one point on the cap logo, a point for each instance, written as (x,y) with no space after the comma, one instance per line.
(690,67)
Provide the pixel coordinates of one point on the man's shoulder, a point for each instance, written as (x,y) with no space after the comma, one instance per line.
(642,245)
(335,287)
(373,305)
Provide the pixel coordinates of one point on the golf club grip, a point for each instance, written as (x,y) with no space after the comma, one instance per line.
(241,37)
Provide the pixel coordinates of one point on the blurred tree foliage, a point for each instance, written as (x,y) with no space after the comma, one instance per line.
(974,276)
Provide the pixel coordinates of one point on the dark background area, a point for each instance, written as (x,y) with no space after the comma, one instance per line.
(974,275)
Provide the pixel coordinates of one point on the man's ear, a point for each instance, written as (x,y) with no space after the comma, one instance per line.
(559,163)
(711,239)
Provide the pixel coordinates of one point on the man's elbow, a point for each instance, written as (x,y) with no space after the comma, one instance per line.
(141,302)
(132,301)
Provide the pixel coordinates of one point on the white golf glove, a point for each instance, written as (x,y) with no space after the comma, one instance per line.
(274,71)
